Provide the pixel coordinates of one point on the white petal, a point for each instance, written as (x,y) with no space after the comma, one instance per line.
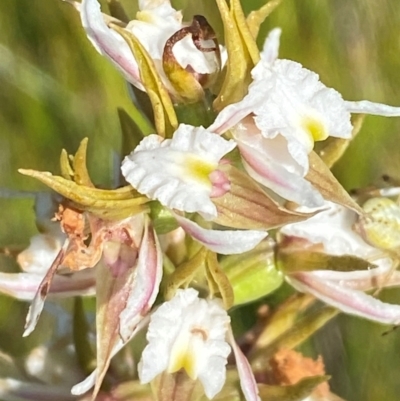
(293,95)
(25,285)
(109,43)
(378,109)
(247,380)
(288,185)
(333,228)
(146,285)
(363,280)
(224,242)
(347,300)
(176,171)
(39,256)
(271,46)
(155,23)
(196,327)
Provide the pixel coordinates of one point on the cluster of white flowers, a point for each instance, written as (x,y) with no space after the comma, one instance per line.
(273,128)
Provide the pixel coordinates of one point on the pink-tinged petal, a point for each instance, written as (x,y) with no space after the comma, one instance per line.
(288,185)
(271,46)
(38,301)
(347,300)
(109,43)
(233,114)
(367,107)
(24,286)
(224,242)
(247,381)
(364,280)
(146,286)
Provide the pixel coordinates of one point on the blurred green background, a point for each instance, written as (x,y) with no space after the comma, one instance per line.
(56,90)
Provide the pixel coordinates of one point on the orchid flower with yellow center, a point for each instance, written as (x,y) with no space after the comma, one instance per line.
(182,172)
(286,110)
(192,334)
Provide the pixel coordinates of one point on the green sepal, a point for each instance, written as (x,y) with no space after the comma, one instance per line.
(184,274)
(218,281)
(327,185)
(252,274)
(332,149)
(257,17)
(247,37)
(76,186)
(162,219)
(164,114)
(247,206)
(290,262)
(282,319)
(293,337)
(239,64)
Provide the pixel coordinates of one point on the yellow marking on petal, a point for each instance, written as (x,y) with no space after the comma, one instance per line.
(315,128)
(200,170)
(183,359)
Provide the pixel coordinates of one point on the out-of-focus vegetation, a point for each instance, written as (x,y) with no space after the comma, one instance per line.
(55,90)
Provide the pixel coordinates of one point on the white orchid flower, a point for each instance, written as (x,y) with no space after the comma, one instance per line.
(193,334)
(155,23)
(34,262)
(182,174)
(345,290)
(285,111)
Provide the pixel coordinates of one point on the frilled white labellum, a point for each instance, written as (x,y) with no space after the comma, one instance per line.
(179,172)
(188,333)
(290,109)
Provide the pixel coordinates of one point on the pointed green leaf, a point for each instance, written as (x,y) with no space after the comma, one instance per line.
(325,182)
(66,170)
(257,17)
(81,174)
(239,64)
(112,204)
(245,33)
(291,262)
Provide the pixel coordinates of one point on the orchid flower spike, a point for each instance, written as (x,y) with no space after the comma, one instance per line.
(160,30)
(192,334)
(333,229)
(286,110)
